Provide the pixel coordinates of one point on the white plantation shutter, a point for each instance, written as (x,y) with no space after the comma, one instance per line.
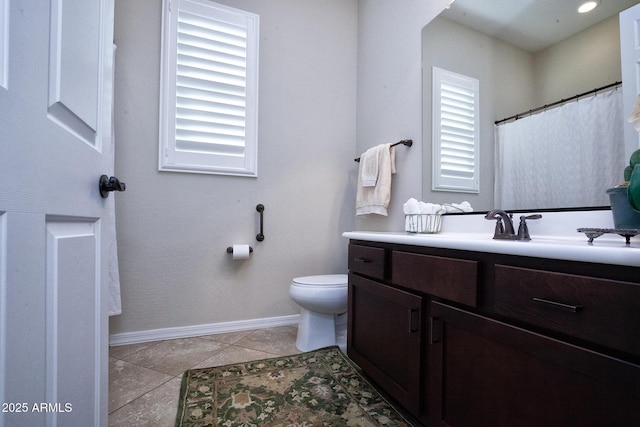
(209,89)
(455,132)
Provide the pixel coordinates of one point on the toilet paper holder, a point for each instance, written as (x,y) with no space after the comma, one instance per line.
(230,249)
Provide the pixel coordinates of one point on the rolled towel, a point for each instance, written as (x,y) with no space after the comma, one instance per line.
(459,207)
(413,209)
(430,208)
(412,206)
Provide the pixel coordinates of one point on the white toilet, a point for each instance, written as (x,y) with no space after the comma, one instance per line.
(323,302)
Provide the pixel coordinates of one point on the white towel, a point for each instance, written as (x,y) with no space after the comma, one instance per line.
(430,208)
(412,206)
(415,220)
(459,207)
(375,199)
(369,167)
(410,209)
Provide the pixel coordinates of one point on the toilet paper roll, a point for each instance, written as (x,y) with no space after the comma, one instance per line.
(241,252)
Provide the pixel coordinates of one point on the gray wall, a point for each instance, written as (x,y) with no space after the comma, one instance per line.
(173,228)
(583,62)
(390,94)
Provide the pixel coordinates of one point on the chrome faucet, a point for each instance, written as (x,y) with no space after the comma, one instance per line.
(505,231)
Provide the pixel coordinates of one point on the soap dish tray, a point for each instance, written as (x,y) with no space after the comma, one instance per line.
(594,233)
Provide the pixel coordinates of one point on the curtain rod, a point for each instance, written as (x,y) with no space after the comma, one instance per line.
(562,101)
(407,142)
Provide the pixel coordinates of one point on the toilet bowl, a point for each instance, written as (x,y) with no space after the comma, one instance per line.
(322,300)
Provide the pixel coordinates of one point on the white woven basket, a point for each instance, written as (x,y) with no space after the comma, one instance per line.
(423,223)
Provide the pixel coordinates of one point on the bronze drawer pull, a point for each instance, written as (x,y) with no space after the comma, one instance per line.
(569,307)
(361,260)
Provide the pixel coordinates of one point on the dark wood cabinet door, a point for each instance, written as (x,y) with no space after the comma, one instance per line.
(487,373)
(384,339)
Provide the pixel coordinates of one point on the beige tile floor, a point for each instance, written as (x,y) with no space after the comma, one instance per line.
(144,379)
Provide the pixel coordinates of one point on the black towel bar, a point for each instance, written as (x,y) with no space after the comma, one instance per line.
(407,142)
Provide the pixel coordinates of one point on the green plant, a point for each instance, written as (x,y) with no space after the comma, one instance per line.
(632,180)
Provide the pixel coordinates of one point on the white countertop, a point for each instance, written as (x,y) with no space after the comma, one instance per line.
(569,245)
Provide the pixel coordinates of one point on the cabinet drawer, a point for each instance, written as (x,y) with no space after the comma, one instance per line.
(449,278)
(605,312)
(367,261)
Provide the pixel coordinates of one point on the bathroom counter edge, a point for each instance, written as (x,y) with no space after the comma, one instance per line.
(604,250)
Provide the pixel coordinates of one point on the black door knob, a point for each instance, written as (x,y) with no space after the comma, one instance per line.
(107,184)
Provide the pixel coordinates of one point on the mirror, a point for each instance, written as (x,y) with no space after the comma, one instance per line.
(550,53)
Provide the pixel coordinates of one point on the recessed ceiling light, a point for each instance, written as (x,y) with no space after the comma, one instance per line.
(588,6)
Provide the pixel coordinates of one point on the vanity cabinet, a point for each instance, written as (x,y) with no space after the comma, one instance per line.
(462,338)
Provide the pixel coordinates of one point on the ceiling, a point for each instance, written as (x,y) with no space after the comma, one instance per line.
(531,24)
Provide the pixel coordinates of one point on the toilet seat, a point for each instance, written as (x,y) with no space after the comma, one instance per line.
(325,281)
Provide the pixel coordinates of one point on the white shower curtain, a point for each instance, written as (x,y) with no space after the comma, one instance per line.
(563,157)
(115,303)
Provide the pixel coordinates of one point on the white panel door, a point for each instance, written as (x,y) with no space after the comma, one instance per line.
(55,143)
(630,59)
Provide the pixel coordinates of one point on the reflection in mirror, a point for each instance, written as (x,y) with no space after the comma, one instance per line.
(563,157)
(514,79)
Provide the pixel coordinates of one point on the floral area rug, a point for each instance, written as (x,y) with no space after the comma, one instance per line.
(317,388)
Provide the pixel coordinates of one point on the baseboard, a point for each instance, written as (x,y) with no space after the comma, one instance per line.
(199,330)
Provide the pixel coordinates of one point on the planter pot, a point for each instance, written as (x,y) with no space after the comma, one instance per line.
(624,216)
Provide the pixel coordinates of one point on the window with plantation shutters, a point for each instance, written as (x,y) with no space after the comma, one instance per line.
(209,93)
(455,132)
